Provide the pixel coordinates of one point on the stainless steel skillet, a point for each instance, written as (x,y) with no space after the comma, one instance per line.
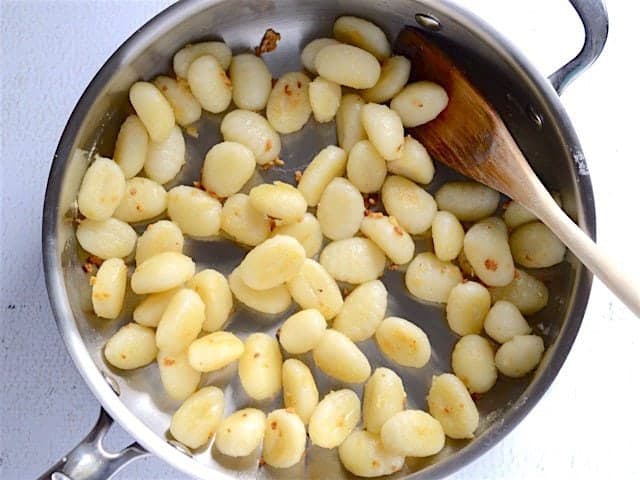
(526,101)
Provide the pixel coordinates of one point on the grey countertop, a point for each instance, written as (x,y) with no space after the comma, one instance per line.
(584,427)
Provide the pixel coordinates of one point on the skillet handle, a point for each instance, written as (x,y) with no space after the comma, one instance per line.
(595,20)
(89,460)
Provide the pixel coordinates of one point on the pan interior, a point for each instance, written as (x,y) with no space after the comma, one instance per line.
(241,24)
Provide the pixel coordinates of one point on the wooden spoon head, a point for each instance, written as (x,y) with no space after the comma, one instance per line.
(468,135)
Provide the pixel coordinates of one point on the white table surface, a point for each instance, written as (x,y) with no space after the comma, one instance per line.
(586,426)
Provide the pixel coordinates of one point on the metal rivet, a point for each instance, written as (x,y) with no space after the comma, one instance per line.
(428,21)
(535,117)
(180,447)
(112,383)
(59,476)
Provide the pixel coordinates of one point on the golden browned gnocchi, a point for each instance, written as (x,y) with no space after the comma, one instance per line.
(251,81)
(158,237)
(348,65)
(306,230)
(364,34)
(413,207)
(403,342)
(196,212)
(535,246)
(279,201)
(486,246)
(328,164)
(153,110)
(349,127)
(340,209)
(178,377)
(340,358)
(383,397)
(165,158)
(451,404)
(271,301)
(526,292)
(414,163)
(302,331)
(108,288)
(143,199)
(387,234)
(324,97)
(520,355)
(313,287)
(431,279)
(185,56)
(186,108)
(412,433)
(162,272)
(181,322)
(102,189)
(299,391)
(504,321)
(242,222)
(272,263)
(289,108)
(384,129)
(209,84)
(419,103)
(366,169)
(131,147)
(133,346)
(285,439)
(197,419)
(467,307)
(241,433)
(215,351)
(394,75)
(353,260)
(215,293)
(260,366)
(472,362)
(254,131)
(363,311)
(110,238)
(227,167)
(334,418)
(362,454)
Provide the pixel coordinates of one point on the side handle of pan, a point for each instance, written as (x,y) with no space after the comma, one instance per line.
(89,460)
(595,20)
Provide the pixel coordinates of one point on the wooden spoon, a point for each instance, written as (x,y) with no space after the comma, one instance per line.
(470,137)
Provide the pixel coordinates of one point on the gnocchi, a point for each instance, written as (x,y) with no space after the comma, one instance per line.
(363,311)
(364,34)
(209,84)
(334,418)
(328,164)
(178,377)
(383,397)
(302,331)
(384,129)
(431,279)
(526,292)
(108,288)
(196,212)
(415,162)
(412,207)
(251,80)
(215,293)
(313,287)
(241,432)
(242,222)
(419,103)
(131,147)
(215,351)
(158,237)
(349,127)
(468,201)
(412,433)
(340,209)
(181,322)
(260,366)
(309,52)
(143,199)
(186,108)
(166,158)
(150,310)
(162,272)
(299,389)
(285,439)
(353,260)
(272,263)
(227,167)
(362,454)
(185,56)
(253,131)
(472,362)
(110,238)
(387,234)
(504,321)
(467,307)
(198,418)
(535,246)
(448,236)
(394,75)
(403,342)
(348,65)
(340,358)
(271,301)
(366,169)
(153,110)
(520,355)
(306,230)
(133,346)
(289,108)
(324,98)
(486,247)
(279,201)
(102,189)
(451,404)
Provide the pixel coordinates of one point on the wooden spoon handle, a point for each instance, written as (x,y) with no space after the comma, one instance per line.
(605,268)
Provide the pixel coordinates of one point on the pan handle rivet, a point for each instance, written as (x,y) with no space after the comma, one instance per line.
(535,116)
(428,21)
(180,447)
(112,383)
